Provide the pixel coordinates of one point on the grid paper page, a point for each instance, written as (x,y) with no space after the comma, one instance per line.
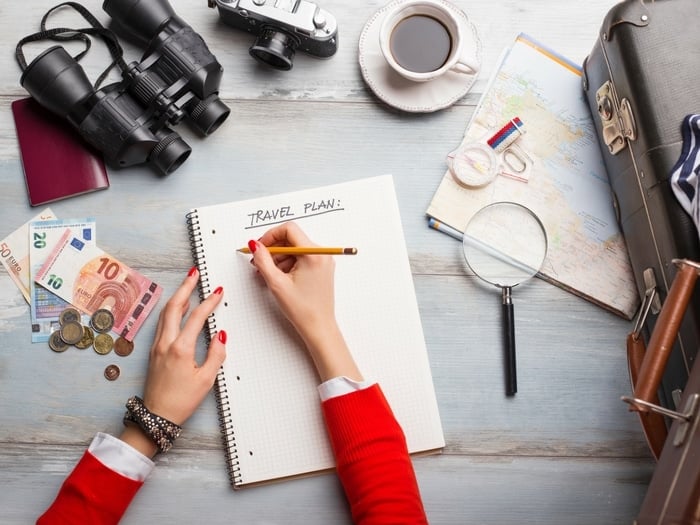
(270,380)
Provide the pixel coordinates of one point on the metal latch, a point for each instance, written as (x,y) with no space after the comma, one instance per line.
(616,118)
(686,418)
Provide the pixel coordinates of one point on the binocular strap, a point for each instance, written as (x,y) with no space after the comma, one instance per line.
(67,34)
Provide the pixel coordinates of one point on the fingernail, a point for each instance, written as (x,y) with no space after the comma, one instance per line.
(222,336)
(252,246)
(219,290)
(192,271)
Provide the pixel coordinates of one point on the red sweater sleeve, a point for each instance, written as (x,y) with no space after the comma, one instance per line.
(372,459)
(91,495)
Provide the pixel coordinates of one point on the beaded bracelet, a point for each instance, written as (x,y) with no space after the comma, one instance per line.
(161,431)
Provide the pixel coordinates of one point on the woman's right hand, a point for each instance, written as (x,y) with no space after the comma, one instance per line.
(304,289)
(302,285)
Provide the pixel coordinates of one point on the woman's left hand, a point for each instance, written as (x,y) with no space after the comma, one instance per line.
(176,385)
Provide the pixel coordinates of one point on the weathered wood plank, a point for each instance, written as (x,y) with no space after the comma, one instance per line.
(189,485)
(569,27)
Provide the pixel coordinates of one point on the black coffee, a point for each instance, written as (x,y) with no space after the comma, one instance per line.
(420,43)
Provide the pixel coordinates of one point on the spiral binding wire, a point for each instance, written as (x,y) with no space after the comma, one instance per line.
(220,391)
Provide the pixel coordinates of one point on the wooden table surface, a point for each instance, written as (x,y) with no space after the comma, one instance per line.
(564,450)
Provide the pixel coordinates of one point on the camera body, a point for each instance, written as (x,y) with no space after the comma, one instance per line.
(282,27)
(128,121)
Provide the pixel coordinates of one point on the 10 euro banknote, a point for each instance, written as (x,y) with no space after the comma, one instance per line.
(90,279)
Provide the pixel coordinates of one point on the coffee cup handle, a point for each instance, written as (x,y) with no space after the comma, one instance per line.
(467,65)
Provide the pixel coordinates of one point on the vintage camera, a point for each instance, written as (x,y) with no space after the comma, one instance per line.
(128,121)
(282,27)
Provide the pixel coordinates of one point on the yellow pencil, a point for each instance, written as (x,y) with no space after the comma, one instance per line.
(306,250)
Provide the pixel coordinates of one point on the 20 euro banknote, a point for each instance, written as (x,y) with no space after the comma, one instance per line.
(45,306)
(90,279)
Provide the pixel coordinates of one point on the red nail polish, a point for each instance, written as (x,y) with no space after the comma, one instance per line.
(192,271)
(252,246)
(219,290)
(222,336)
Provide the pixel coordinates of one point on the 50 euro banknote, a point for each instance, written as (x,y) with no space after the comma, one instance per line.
(14,253)
(91,279)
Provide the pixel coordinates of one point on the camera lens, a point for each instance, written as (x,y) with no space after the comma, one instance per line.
(209,114)
(170,152)
(274,48)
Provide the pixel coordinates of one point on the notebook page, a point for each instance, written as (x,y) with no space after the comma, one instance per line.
(271,382)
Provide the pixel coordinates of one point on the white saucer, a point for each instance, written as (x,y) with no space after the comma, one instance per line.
(404,94)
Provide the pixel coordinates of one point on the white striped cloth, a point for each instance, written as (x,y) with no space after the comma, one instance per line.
(684,175)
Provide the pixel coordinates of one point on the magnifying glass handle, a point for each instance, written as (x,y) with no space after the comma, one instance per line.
(509,342)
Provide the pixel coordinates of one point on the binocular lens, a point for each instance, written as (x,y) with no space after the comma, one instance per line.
(142,18)
(170,153)
(274,48)
(56,81)
(209,114)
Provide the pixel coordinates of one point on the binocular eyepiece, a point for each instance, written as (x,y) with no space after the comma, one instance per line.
(177,78)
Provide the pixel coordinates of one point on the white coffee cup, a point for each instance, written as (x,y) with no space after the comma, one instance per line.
(461,57)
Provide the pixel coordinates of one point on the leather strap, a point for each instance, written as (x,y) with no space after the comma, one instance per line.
(653,424)
(664,334)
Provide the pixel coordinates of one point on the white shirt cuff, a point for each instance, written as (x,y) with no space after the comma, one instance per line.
(120,457)
(339,386)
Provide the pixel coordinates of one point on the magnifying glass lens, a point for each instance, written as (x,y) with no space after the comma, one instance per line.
(505,244)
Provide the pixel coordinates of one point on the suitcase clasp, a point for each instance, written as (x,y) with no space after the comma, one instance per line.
(686,417)
(616,118)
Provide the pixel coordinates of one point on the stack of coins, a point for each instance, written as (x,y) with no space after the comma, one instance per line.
(73,333)
(102,322)
(70,331)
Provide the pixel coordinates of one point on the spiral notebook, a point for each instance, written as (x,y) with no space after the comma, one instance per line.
(266,390)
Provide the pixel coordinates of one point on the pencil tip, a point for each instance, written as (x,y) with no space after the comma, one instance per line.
(350,251)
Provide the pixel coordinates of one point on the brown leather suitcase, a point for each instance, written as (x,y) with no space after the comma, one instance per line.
(640,80)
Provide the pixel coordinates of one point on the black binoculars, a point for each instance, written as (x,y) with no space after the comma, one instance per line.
(177,77)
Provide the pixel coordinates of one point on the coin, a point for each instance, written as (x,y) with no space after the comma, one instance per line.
(69,315)
(102,320)
(112,372)
(71,332)
(56,343)
(103,343)
(122,347)
(87,339)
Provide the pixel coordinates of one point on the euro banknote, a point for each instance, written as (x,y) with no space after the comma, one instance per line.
(45,306)
(91,279)
(14,253)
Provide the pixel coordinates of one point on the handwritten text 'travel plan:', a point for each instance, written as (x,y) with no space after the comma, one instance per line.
(266,217)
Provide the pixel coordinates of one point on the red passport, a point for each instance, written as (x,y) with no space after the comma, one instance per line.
(57,162)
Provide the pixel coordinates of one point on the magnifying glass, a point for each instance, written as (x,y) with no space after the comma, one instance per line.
(505,244)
